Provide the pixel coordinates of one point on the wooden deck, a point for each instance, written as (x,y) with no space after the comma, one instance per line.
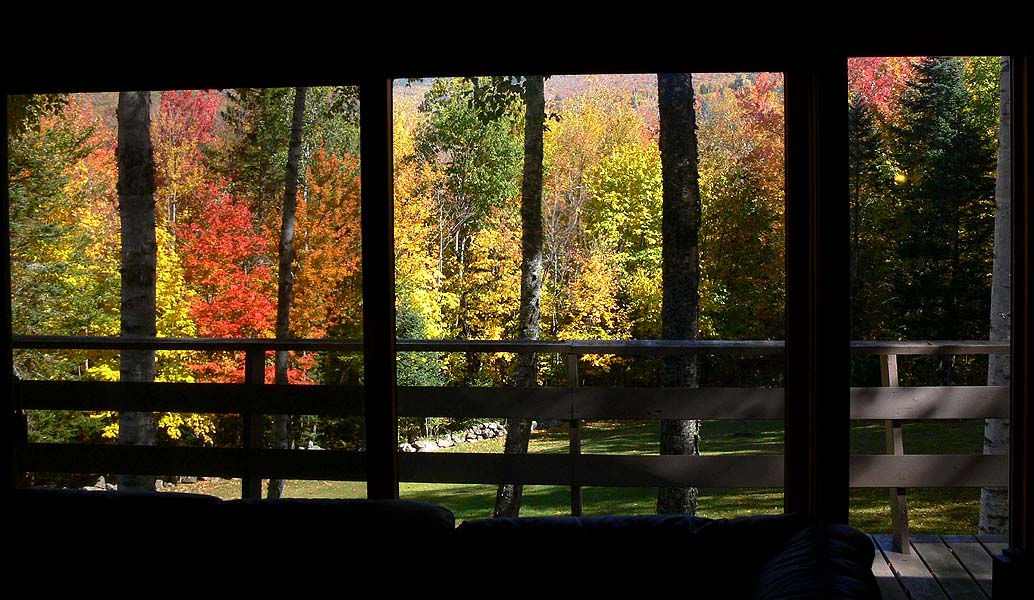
(939,567)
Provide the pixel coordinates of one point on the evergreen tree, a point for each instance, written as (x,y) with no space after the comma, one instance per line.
(947,210)
(252,158)
(869,185)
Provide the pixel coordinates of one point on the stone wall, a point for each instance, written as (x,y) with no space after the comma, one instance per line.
(476,433)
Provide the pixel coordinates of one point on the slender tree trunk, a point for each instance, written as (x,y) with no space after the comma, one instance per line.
(856,224)
(139,259)
(508,498)
(994,502)
(285,278)
(680,308)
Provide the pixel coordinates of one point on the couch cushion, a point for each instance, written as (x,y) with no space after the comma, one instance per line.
(337,519)
(768,532)
(70,509)
(822,561)
(77,535)
(60,536)
(723,555)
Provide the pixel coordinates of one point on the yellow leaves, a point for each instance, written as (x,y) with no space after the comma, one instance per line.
(102,372)
(174,298)
(490,287)
(594,311)
(110,430)
(174,425)
(624,211)
(426,303)
(592,124)
(643,298)
(594,290)
(405,120)
(415,265)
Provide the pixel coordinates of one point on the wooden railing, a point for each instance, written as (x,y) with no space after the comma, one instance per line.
(572,402)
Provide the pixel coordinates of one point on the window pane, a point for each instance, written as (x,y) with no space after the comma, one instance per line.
(220,171)
(930,301)
(460,149)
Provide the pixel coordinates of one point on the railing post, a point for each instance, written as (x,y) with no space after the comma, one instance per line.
(895,446)
(574,431)
(251,423)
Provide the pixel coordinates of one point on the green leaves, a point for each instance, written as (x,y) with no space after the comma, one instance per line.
(624,210)
(496,97)
(478,160)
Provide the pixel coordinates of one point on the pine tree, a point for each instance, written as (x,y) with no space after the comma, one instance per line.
(947,206)
(869,186)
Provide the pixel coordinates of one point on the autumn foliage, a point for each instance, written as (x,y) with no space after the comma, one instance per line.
(226,263)
(220,157)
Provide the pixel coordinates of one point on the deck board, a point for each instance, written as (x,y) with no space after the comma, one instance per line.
(889,586)
(911,571)
(994,546)
(952,567)
(975,559)
(948,571)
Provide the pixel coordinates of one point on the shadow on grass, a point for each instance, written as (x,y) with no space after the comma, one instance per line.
(476,501)
(940,510)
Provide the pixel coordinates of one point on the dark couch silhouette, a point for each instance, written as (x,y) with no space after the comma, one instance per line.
(242,544)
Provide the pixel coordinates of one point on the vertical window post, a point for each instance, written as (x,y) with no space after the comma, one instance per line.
(13,417)
(1011,570)
(378,264)
(817,296)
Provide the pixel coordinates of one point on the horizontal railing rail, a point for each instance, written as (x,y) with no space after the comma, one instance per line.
(617,470)
(571,402)
(596,403)
(580,347)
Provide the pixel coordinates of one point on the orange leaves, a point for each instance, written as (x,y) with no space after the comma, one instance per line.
(224,262)
(881,80)
(327,245)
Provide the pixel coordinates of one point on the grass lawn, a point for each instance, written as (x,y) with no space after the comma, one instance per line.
(941,510)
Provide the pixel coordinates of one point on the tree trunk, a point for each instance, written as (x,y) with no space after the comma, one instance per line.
(994,502)
(139,259)
(508,498)
(285,278)
(680,270)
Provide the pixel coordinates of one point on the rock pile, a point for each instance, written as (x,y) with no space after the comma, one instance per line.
(100,486)
(104,486)
(476,433)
